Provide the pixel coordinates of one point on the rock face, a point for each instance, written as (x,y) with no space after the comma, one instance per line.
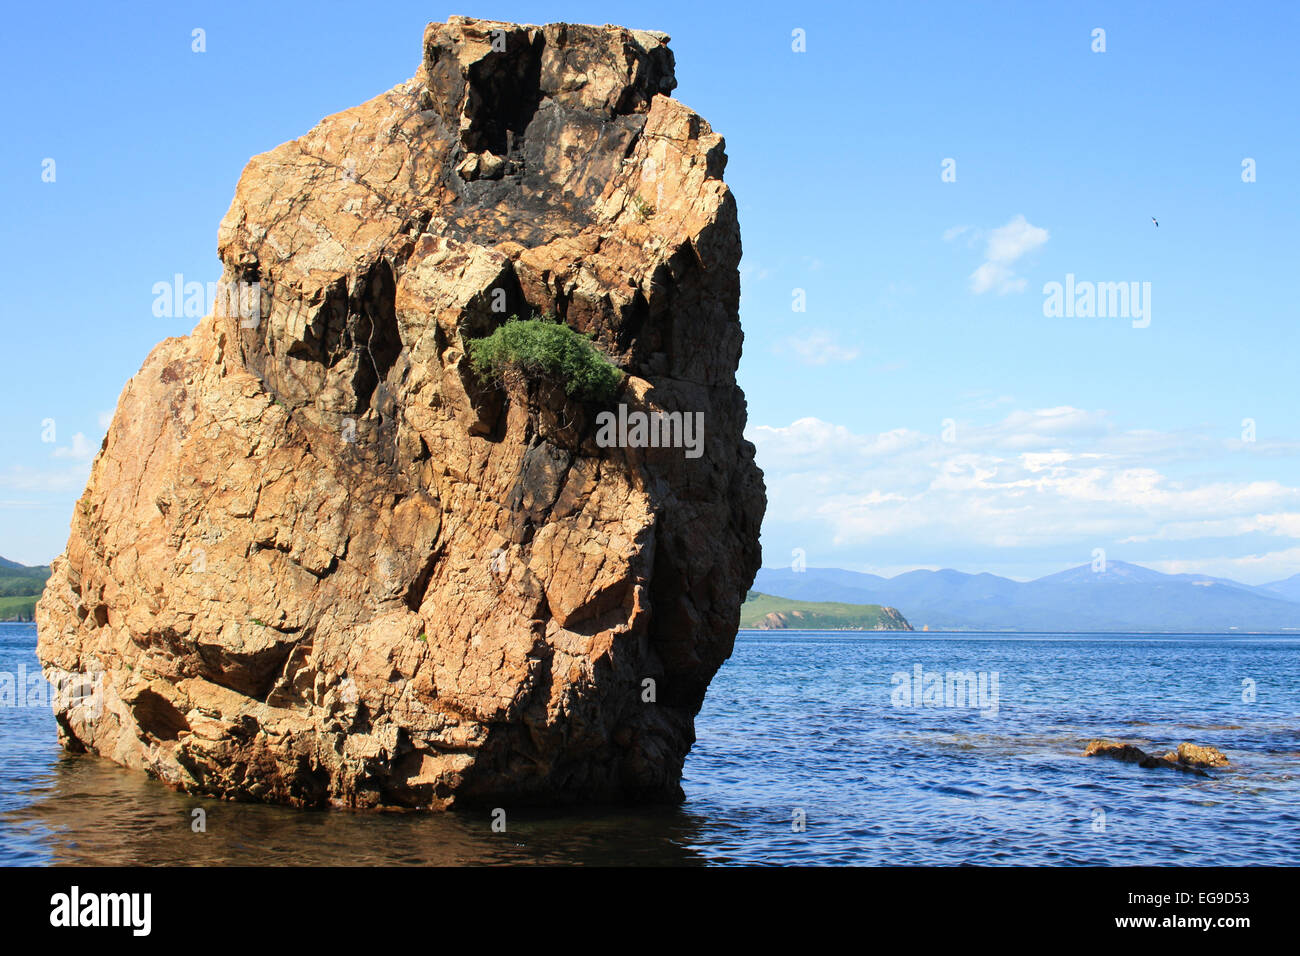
(318,562)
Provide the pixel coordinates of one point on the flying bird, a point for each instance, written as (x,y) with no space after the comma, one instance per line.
(1153,219)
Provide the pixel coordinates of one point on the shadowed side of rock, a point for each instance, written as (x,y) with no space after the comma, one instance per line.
(319,562)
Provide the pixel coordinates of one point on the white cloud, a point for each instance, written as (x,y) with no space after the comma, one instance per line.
(819,348)
(79,450)
(1005,246)
(1045,479)
(26,480)
(1008,243)
(994,275)
(1252,568)
(1283,523)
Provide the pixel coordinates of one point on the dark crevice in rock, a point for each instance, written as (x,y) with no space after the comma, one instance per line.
(376,335)
(504,93)
(157,717)
(414,597)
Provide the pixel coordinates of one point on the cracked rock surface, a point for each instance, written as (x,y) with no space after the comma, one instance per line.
(319,563)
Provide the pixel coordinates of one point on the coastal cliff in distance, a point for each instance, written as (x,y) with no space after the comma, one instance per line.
(766,612)
(20,587)
(320,561)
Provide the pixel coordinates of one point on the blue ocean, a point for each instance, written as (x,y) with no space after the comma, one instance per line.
(813,748)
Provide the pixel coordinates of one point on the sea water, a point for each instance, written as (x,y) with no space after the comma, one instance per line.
(809,751)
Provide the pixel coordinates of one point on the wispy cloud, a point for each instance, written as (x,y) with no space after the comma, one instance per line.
(79,450)
(819,348)
(1041,479)
(23,479)
(1004,247)
(1255,568)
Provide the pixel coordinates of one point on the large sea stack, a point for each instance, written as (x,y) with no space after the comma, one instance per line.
(320,562)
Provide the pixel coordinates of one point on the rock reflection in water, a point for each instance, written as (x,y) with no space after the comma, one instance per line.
(93,812)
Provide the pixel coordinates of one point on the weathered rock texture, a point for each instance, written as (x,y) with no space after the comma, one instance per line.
(318,563)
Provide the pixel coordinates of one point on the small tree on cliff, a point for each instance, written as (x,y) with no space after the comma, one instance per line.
(531,349)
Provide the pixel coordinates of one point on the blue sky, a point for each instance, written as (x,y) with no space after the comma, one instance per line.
(923,411)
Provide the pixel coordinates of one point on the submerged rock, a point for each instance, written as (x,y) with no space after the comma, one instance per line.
(319,562)
(1188,757)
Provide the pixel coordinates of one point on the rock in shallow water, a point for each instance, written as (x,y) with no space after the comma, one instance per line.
(1195,756)
(1188,757)
(319,563)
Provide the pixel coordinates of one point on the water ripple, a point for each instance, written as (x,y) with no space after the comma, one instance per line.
(801,758)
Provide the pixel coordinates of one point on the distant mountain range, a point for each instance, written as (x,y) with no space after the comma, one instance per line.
(1125,597)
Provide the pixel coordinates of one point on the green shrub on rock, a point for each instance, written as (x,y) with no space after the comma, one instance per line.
(538,349)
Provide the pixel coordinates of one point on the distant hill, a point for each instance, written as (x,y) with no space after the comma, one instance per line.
(1287,589)
(767,613)
(20,586)
(1126,597)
